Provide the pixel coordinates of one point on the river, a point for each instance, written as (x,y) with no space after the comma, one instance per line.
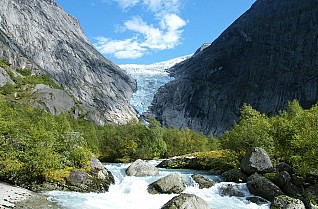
(131,193)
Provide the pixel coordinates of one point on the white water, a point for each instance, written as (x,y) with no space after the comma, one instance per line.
(131,193)
(149,79)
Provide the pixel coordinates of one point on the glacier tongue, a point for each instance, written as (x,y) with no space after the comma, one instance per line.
(149,79)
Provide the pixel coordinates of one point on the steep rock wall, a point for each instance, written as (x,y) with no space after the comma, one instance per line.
(266,58)
(45,35)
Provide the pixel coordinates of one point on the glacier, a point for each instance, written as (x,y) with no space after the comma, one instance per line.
(149,79)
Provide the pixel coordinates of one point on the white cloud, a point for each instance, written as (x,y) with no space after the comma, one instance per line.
(121,49)
(125,4)
(147,37)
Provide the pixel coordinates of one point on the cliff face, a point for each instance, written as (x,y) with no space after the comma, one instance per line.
(266,58)
(40,33)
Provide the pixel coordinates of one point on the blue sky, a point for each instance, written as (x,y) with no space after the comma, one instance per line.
(148,31)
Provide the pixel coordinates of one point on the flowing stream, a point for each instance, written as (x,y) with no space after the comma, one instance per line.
(131,193)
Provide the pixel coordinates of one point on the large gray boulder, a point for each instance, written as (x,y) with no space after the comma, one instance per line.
(53,100)
(285,202)
(202,181)
(256,160)
(235,175)
(4,77)
(231,190)
(312,192)
(172,183)
(283,180)
(49,38)
(186,201)
(261,186)
(101,173)
(267,57)
(98,180)
(141,168)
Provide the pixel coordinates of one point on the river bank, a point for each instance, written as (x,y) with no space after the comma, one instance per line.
(17,197)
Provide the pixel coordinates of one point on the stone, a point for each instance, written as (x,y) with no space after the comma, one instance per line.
(80,179)
(99,171)
(203,181)
(260,186)
(285,167)
(141,168)
(256,60)
(256,160)
(55,101)
(4,77)
(283,180)
(235,175)
(257,200)
(172,183)
(98,180)
(312,192)
(186,201)
(254,177)
(286,202)
(231,190)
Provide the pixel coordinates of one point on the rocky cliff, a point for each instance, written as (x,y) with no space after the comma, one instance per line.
(266,58)
(39,33)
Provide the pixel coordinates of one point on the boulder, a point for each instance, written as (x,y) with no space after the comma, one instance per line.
(54,101)
(297,180)
(231,190)
(283,180)
(256,160)
(4,78)
(235,175)
(285,167)
(98,180)
(80,179)
(285,202)
(186,201)
(257,200)
(172,183)
(312,193)
(101,173)
(261,186)
(141,168)
(203,181)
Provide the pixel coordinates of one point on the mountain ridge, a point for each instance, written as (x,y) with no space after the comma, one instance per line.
(266,58)
(54,41)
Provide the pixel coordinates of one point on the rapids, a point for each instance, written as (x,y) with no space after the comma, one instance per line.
(131,193)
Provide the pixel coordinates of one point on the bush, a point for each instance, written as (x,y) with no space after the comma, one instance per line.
(291,136)
(252,130)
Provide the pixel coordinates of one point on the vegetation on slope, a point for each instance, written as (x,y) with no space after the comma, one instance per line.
(291,136)
(36,146)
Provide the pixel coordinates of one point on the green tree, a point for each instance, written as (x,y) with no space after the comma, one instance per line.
(252,130)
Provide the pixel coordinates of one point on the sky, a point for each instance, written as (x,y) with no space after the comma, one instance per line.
(149,31)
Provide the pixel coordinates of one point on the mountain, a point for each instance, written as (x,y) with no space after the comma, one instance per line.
(40,35)
(149,79)
(266,58)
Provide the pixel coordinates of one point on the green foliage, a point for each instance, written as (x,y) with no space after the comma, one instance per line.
(3,64)
(34,143)
(291,136)
(25,72)
(253,130)
(7,89)
(135,140)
